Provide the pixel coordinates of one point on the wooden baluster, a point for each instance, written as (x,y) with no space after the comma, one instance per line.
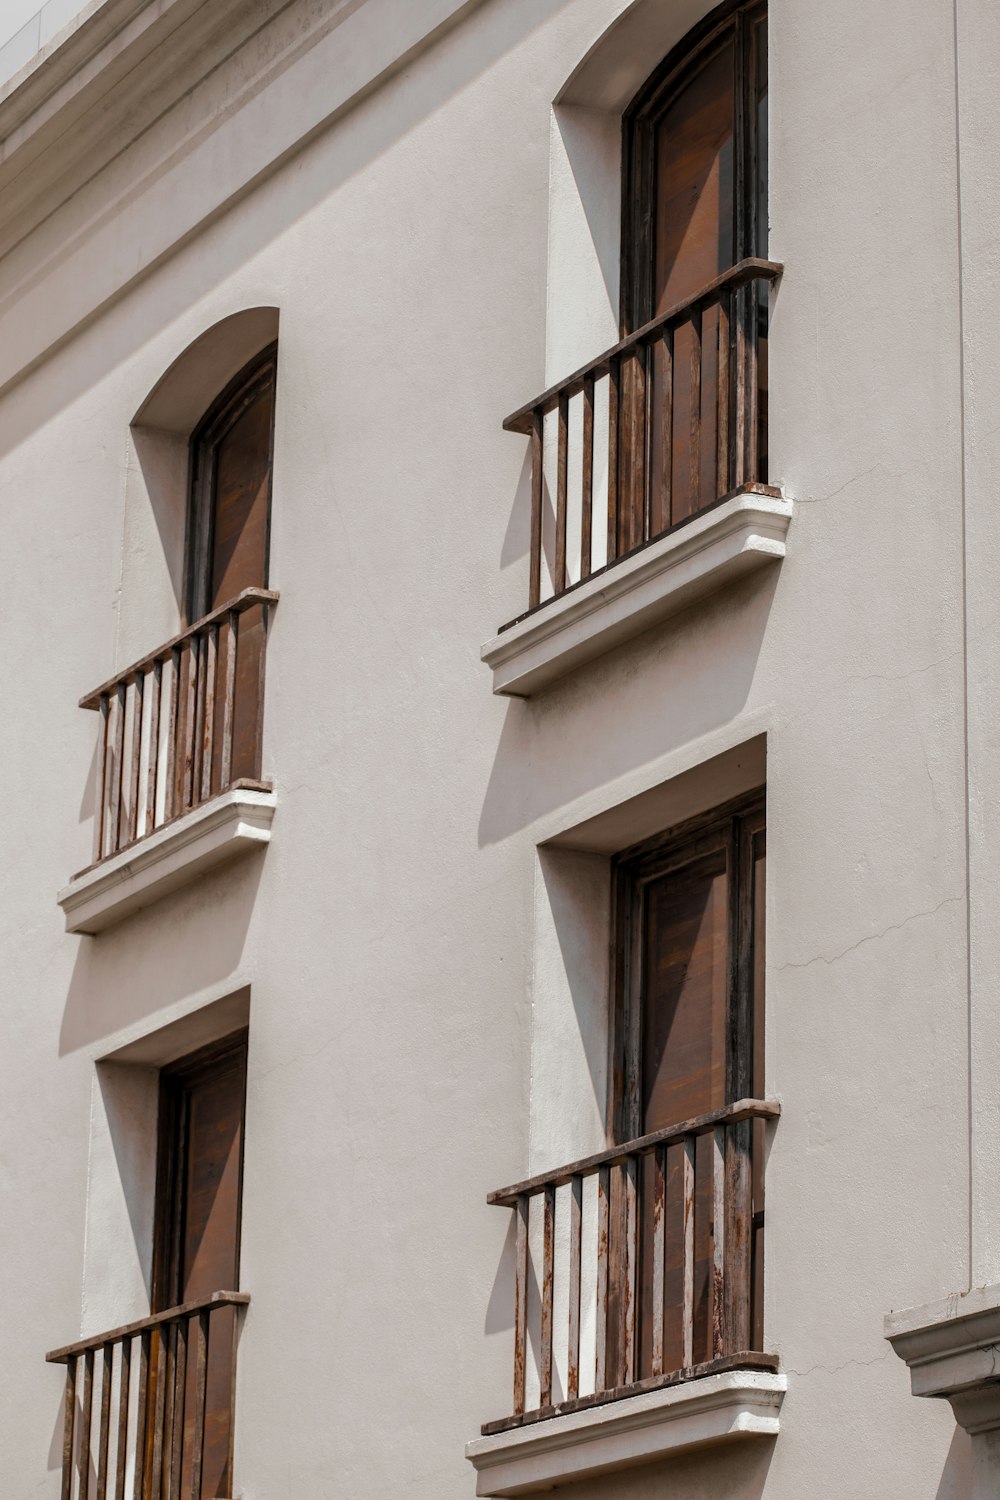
(142,1413)
(687,1263)
(694,466)
(153,741)
(200,1383)
(170,769)
(177,1393)
(658,1256)
(537,482)
(121,1453)
(208,727)
(573,1316)
(107,1355)
(233,1346)
(587,478)
(629,1266)
(603,1277)
(753,393)
(738,439)
(667,432)
(190,653)
(562,466)
(200,645)
(100,789)
(131,822)
(548,1293)
(648,364)
(738,1234)
(521,1305)
(229,702)
(722,485)
(159,1412)
(614,416)
(718,1240)
(115,769)
(86,1423)
(69,1424)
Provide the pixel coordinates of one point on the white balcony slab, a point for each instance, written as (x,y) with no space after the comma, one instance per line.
(745,533)
(235,823)
(724,1408)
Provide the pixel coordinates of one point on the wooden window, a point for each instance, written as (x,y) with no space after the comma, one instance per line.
(229,522)
(197,1238)
(694,204)
(687,1041)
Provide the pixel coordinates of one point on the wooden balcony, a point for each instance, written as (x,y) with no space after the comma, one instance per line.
(178,786)
(148,1408)
(648,480)
(181,725)
(669,1289)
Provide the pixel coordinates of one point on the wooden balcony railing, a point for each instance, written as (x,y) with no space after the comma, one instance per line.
(182,724)
(670,420)
(673,1226)
(161,1426)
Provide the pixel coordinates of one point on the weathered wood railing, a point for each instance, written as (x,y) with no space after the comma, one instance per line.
(182,724)
(669,420)
(641,1213)
(158,1407)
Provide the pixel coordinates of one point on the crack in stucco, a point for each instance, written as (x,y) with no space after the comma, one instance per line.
(848,1364)
(871,937)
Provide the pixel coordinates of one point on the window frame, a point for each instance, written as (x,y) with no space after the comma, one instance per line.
(255,376)
(639,123)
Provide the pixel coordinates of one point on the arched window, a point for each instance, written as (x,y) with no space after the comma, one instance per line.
(694,199)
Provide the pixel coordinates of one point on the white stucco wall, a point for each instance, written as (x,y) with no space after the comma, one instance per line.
(403,935)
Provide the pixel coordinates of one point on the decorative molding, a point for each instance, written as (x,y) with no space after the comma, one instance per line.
(952,1350)
(237,822)
(636,1430)
(737,537)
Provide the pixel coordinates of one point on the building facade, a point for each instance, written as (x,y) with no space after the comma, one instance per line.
(501,722)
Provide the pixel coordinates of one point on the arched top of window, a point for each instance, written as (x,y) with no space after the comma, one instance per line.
(694,182)
(230,501)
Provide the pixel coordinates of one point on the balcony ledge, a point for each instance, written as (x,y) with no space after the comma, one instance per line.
(744,533)
(236,822)
(631,1431)
(951,1348)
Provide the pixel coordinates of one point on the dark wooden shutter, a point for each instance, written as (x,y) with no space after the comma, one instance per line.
(197,1232)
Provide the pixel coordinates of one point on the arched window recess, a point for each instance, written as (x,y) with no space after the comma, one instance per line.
(672,420)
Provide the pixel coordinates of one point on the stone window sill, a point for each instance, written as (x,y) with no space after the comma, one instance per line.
(743,534)
(234,823)
(737,1404)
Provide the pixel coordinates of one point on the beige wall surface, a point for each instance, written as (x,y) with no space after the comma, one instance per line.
(427,998)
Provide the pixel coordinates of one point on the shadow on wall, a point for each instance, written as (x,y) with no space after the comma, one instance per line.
(459,58)
(956,1479)
(697,668)
(145,964)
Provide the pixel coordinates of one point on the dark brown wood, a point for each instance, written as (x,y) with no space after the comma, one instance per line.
(751,268)
(687,1252)
(718,1242)
(69,1429)
(722,394)
(548,1293)
(562,459)
(115,770)
(190,653)
(155,690)
(130,826)
(142,1412)
(248,598)
(100,777)
(614,422)
(176,1397)
(694,436)
(537,484)
(603,1277)
(587,478)
(170,803)
(198,1432)
(663,514)
(521,1303)
(629,1283)
(143,1325)
(159,1398)
(742,1109)
(124,1383)
(658,1253)
(86,1422)
(573,1291)
(104,1431)
(748,1359)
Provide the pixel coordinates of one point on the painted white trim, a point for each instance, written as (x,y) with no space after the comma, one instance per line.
(952,1349)
(635,1430)
(234,823)
(746,533)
